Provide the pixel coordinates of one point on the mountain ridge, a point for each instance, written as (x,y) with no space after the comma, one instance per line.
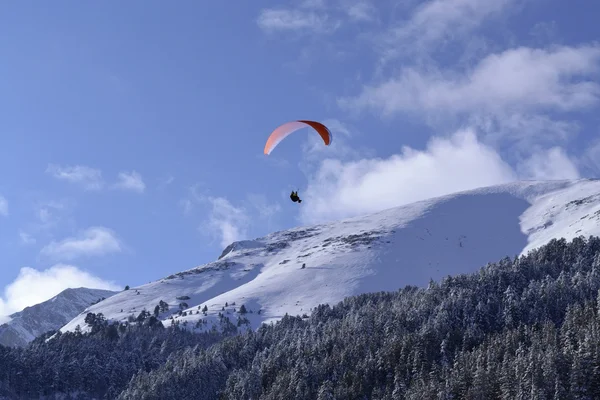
(294,270)
(52,314)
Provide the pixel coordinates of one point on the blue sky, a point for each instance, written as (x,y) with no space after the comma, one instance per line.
(132,133)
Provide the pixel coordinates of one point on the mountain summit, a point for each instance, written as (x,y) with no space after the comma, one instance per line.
(292,271)
(26,325)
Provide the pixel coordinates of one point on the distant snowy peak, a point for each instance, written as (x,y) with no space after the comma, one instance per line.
(31,322)
(295,270)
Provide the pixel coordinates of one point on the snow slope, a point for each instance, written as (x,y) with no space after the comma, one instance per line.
(294,270)
(26,325)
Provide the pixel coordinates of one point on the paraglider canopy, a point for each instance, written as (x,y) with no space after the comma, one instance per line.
(282,131)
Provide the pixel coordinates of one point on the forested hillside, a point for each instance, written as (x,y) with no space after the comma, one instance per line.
(523,328)
(527,327)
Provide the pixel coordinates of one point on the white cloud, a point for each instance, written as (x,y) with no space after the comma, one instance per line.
(369,185)
(26,238)
(3,206)
(277,20)
(550,164)
(515,80)
(130,181)
(94,241)
(33,286)
(226,221)
(89,178)
(447,165)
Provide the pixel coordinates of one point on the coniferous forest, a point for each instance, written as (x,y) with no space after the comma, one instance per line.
(520,328)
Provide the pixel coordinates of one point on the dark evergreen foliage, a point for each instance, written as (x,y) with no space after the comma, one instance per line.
(527,327)
(522,328)
(93,365)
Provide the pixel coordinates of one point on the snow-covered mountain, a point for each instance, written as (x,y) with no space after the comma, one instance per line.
(294,270)
(52,314)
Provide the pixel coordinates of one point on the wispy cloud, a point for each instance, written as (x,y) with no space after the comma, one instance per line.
(226,221)
(26,238)
(316,16)
(3,206)
(33,286)
(186,205)
(166,181)
(281,19)
(314,152)
(550,164)
(50,215)
(47,217)
(46,211)
(91,178)
(591,157)
(361,11)
(130,181)
(434,22)
(88,178)
(94,241)
(266,212)
(195,196)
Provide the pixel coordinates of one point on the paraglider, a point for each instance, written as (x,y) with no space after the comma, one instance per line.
(282,131)
(294,197)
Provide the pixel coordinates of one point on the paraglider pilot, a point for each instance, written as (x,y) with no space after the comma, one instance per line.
(294,197)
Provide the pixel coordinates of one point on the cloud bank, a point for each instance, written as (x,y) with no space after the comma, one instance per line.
(518,79)
(339,189)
